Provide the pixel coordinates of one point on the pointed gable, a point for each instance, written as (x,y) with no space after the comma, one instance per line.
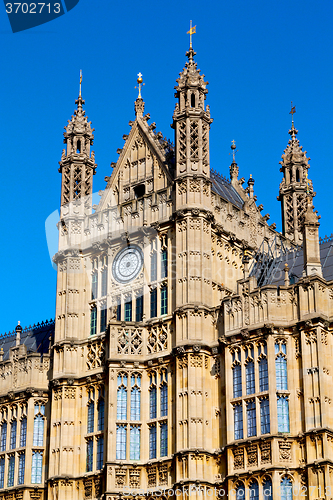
(141,167)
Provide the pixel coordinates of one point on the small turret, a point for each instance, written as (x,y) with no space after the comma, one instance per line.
(295,186)
(18,331)
(311,248)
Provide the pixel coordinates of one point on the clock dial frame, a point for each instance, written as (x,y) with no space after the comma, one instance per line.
(127,264)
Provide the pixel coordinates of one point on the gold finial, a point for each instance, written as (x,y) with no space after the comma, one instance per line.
(234,151)
(191,32)
(292,112)
(80,81)
(140,84)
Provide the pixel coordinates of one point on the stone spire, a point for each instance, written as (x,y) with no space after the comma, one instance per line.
(77,164)
(191,120)
(295,187)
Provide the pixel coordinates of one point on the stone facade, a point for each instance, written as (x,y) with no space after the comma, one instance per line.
(183,355)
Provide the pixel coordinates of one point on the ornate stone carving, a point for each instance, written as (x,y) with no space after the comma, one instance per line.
(252,455)
(129,341)
(238,458)
(157,338)
(163,475)
(151,472)
(265,452)
(95,354)
(285,451)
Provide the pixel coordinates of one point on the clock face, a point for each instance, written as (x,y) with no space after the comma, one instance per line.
(127,264)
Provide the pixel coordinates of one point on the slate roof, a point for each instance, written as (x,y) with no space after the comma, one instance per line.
(222,186)
(36,338)
(294,260)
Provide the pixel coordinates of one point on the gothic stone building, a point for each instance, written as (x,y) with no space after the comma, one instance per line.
(192,344)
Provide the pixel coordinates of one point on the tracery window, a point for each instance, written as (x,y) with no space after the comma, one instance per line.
(164,393)
(122,397)
(36,467)
(135,396)
(23,432)
(240,492)
(249,371)
(263,367)
(286,489)
(38,437)
(281,366)
(236,374)
(267,489)
(254,490)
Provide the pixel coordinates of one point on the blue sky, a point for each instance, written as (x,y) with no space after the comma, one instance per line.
(257,56)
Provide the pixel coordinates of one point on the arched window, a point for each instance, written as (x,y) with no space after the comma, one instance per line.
(164,393)
(267,489)
(23,432)
(122,397)
(78,147)
(286,489)
(135,397)
(297,175)
(13,430)
(240,492)
(152,396)
(192,100)
(38,437)
(254,491)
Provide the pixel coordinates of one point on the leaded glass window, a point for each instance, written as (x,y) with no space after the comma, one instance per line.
(267,489)
(164,400)
(238,421)
(237,380)
(23,432)
(153,303)
(13,430)
(3,440)
(286,489)
(121,442)
(135,443)
(251,419)
(122,397)
(152,401)
(254,491)
(164,439)
(250,381)
(240,492)
(21,469)
(93,321)
(91,417)
(164,264)
(100,423)
(90,455)
(100,453)
(153,266)
(2,472)
(139,308)
(152,441)
(36,467)
(103,320)
(283,414)
(38,437)
(135,397)
(94,285)
(104,282)
(128,310)
(11,469)
(263,375)
(281,373)
(264,416)
(164,300)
